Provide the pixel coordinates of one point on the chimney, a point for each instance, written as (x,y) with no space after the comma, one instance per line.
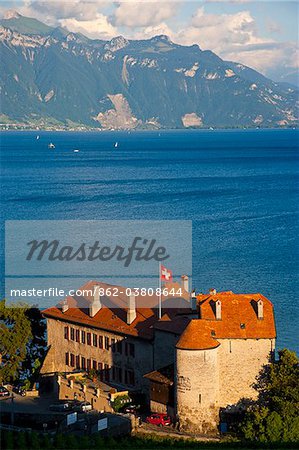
(218,310)
(131,312)
(95,305)
(185,282)
(212,291)
(65,306)
(260,309)
(193,301)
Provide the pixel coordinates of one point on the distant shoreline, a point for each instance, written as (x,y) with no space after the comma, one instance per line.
(164,130)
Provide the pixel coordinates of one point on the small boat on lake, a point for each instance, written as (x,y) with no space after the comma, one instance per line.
(51,145)
(76,150)
(116,144)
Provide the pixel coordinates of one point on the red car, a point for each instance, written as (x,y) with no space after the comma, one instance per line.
(159,419)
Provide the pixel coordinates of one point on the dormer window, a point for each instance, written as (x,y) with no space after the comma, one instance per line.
(242,326)
(213,333)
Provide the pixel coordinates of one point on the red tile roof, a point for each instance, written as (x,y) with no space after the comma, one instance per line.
(197,336)
(239,316)
(238,321)
(237,309)
(113,316)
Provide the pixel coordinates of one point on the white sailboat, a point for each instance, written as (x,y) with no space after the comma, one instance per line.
(116,144)
(51,145)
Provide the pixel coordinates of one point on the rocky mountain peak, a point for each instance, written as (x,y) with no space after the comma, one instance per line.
(11,14)
(163,38)
(117,43)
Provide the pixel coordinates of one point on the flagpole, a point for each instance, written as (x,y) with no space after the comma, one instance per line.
(160,295)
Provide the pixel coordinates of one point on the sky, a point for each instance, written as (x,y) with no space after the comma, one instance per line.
(262,34)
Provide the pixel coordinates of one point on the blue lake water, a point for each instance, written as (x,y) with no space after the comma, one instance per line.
(240,189)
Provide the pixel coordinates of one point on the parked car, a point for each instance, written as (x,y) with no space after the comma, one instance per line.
(60,407)
(4,392)
(82,407)
(19,390)
(131,409)
(159,419)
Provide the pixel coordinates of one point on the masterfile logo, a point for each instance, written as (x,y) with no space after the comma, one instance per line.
(66,254)
(140,250)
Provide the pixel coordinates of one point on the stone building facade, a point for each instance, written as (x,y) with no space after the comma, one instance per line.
(190,362)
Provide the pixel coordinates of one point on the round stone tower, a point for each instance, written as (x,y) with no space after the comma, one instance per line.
(196,383)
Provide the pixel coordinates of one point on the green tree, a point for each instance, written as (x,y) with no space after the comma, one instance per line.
(274,417)
(15,333)
(36,345)
(22,342)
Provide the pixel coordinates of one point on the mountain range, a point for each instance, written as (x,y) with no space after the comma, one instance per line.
(53,77)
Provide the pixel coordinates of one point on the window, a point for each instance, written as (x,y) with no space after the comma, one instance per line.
(101,341)
(94,365)
(132,350)
(95,340)
(72,360)
(83,362)
(83,334)
(66,332)
(113,345)
(131,377)
(78,362)
(119,347)
(72,334)
(106,343)
(119,374)
(88,338)
(199,398)
(88,364)
(126,349)
(67,359)
(100,370)
(126,377)
(77,335)
(107,372)
(242,326)
(113,373)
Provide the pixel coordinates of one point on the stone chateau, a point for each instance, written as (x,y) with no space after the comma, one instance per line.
(196,359)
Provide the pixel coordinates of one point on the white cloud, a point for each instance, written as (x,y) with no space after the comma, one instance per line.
(63,9)
(267,56)
(235,37)
(76,15)
(151,31)
(53,11)
(143,14)
(98,28)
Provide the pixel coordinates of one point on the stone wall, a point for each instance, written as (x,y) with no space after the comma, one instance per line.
(239,362)
(197,389)
(141,363)
(98,399)
(209,379)
(161,408)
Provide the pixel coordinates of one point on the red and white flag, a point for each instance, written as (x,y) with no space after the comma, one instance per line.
(165,274)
